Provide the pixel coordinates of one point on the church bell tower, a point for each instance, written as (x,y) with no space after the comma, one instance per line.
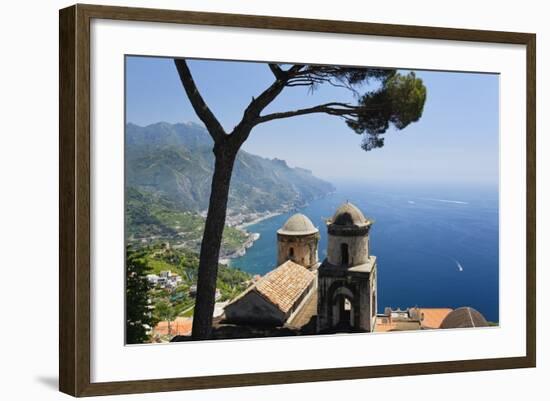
(347,277)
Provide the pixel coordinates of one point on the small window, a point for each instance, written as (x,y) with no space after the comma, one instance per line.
(291,252)
(345,254)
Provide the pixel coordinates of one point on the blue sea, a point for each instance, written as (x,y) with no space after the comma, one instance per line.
(436,246)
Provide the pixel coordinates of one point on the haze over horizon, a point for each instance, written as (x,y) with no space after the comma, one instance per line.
(456,141)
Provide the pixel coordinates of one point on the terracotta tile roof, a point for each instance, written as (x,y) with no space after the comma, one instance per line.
(181,326)
(432,317)
(306,312)
(284,285)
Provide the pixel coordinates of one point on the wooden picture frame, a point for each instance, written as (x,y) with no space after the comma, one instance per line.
(75,207)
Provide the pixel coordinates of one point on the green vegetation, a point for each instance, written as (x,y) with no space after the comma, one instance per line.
(166,303)
(164,311)
(187,313)
(232,239)
(174,163)
(157,220)
(186,263)
(138,316)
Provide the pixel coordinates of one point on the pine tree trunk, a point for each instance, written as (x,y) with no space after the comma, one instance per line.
(211,241)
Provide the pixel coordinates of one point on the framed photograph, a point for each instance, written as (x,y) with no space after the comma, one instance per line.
(249,200)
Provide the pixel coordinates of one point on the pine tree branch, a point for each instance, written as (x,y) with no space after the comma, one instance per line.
(258,104)
(334,108)
(295,69)
(212,124)
(276,70)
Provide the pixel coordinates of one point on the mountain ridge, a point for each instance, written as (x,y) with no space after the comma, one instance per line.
(176,160)
(169,169)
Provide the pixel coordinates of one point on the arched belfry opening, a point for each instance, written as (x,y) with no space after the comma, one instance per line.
(347,277)
(344,251)
(343,310)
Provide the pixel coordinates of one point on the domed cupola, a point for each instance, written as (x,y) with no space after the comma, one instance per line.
(348,214)
(464,317)
(348,220)
(348,236)
(298,224)
(297,240)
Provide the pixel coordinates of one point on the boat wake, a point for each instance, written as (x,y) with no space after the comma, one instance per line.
(460,268)
(446,201)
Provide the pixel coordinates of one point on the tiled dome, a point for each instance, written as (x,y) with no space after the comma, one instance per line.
(463,317)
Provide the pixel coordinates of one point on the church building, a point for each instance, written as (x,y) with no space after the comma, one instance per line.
(343,287)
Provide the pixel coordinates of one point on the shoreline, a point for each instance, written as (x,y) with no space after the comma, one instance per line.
(257,220)
(253,237)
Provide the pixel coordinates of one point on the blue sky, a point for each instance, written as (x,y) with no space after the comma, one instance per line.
(455,142)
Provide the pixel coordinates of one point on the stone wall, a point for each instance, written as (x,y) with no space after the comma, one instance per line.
(300,249)
(358,249)
(252,308)
(357,289)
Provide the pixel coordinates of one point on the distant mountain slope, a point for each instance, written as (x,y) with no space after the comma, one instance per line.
(174,163)
(152,219)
